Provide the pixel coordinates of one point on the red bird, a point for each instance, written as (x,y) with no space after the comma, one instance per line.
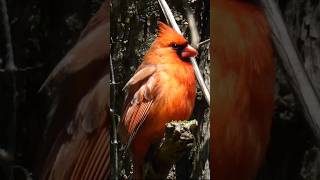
(243,84)
(162,89)
(78,135)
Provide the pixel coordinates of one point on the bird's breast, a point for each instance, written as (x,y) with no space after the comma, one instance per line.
(178,90)
(174,101)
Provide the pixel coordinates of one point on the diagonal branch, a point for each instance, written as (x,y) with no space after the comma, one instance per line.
(195,38)
(170,18)
(293,67)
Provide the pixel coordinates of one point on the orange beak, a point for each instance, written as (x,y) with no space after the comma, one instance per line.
(188,52)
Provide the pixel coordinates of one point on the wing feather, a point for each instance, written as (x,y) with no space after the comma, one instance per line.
(143,72)
(138,120)
(141,92)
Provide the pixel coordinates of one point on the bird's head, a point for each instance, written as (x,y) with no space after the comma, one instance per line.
(171,44)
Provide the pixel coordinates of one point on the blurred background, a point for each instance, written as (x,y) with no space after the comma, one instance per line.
(42,32)
(294,151)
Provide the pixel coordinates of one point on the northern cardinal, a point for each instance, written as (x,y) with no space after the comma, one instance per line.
(243,83)
(79,128)
(162,89)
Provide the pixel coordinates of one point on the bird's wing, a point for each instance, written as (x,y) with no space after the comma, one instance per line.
(78,129)
(141,92)
(85,143)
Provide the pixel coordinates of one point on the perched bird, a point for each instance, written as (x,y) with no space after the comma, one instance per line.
(243,85)
(78,132)
(162,89)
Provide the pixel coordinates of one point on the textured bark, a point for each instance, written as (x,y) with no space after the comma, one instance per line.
(178,140)
(293,152)
(133,29)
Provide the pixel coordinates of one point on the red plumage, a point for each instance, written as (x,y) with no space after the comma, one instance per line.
(162,89)
(78,133)
(243,82)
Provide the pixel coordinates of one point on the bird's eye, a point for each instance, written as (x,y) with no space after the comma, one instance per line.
(174,46)
(178,47)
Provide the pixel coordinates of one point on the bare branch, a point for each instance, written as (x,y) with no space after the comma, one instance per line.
(10,66)
(170,18)
(204,42)
(195,38)
(293,66)
(114,141)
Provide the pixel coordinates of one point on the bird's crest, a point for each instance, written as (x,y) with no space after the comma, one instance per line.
(168,35)
(163,29)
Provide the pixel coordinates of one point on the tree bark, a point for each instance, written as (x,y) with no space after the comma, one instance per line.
(133,31)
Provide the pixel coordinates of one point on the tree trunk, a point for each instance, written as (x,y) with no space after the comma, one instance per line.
(134,27)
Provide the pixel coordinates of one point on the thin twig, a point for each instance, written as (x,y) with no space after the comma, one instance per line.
(293,66)
(200,153)
(24,69)
(204,42)
(170,18)
(114,141)
(10,66)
